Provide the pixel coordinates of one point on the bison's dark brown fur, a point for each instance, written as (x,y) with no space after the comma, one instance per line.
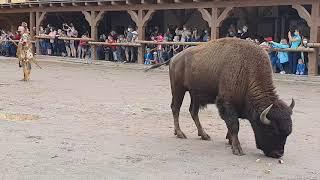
(236,75)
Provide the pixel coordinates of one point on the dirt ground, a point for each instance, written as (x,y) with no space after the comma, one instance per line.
(110,121)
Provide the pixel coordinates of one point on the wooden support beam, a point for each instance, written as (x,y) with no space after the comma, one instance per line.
(134,16)
(303,13)
(314,34)
(141,18)
(93,18)
(214,19)
(32,25)
(206,15)
(223,15)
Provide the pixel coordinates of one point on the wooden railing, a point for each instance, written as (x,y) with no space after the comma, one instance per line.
(139,43)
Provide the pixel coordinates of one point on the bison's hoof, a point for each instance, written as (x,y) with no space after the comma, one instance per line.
(229,142)
(181,135)
(205,136)
(237,150)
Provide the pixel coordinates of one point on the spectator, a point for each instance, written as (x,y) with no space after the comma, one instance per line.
(206,36)
(148,57)
(159,47)
(114,35)
(168,35)
(176,48)
(121,49)
(295,41)
(244,33)
(184,33)
(231,31)
(42,43)
(300,67)
(155,57)
(195,37)
(272,54)
(61,48)
(83,47)
(73,34)
(111,49)
(52,34)
(101,48)
(282,56)
(129,49)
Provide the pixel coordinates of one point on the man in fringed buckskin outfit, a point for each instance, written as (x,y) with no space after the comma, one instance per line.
(24,51)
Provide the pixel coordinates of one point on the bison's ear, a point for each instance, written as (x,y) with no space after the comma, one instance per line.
(263,116)
(293,103)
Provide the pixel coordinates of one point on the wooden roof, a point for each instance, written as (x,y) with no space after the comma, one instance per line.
(17,6)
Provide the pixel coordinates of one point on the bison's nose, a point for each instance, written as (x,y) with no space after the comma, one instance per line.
(275,154)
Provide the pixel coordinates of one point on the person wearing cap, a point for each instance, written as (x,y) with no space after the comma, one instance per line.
(24,51)
(267,45)
(283,57)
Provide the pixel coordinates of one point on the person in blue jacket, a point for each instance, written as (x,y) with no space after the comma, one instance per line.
(283,57)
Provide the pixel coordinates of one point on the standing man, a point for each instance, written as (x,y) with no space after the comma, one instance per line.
(24,51)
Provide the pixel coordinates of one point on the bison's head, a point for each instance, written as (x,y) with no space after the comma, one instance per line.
(272,128)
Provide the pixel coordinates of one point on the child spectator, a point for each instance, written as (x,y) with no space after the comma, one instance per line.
(300,67)
(155,57)
(159,47)
(148,57)
(282,56)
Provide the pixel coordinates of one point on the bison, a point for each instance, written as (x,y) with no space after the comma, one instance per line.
(236,75)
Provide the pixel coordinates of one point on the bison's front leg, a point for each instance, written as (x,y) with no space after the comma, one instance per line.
(228,114)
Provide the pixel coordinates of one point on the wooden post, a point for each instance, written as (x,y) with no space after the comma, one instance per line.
(283,24)
(32,24)
(141,18)
(93,18)
(314,57)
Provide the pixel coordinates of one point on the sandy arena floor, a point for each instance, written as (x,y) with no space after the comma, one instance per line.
(109,121)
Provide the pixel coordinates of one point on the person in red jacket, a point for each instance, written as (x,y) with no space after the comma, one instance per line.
(113,49)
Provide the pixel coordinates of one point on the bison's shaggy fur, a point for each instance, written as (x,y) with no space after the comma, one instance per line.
(236,75)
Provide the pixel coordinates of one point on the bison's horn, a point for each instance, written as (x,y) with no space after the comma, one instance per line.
(263,115)
(293,103)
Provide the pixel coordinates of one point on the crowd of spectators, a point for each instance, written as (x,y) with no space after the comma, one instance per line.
(53,46)
(282,62)
(161,53)
(7,47)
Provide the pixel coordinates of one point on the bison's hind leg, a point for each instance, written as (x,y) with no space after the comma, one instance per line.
(194,111)
(177,99)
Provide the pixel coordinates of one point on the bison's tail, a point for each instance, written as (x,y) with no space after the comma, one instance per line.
(158,65)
